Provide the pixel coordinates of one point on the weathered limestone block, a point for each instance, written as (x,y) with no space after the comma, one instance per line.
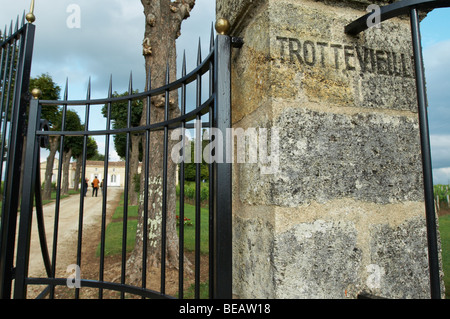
(394,246)
(303,271)
(344,212)
(365,156)
(252,267)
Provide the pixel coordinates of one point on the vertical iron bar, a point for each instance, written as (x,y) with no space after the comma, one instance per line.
(26,209)
(222,174)
(12,181)
(198,161)
(105,191)
(146,172)
(83,169)
(40,218)
(3,120)
(164,199)
(9,104)
(5,104)
(10,90)
(8,65)
(211,174)
(433,255)
(3,56)
(181,217)
(58,188)
(125,196)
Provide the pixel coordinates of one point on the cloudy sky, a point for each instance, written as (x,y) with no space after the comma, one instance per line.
(107,41)
(78,39)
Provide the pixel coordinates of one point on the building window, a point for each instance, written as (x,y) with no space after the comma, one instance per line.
(113,178)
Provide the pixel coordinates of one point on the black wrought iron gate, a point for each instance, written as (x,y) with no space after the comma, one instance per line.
(15,65)
(15,245)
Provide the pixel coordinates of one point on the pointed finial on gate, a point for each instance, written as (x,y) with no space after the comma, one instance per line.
(130,84)
(17,25)
(199,53)
(211,39)
(222,26)
(167,73)
(183,67)
(88,94)
(66,90)
(30,16)
(149,79)
(110,87)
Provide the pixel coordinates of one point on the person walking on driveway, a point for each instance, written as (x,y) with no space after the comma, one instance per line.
(95,184)
(85,186)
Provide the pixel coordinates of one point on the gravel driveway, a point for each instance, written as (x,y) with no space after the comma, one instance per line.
(68,231)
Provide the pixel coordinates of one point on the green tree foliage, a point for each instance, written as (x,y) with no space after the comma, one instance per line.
(91,148)
(119,117)
(191,168)
(50,91)
(73,123)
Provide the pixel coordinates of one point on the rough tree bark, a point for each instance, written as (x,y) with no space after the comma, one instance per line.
(162,28)
(134,169)
(49,168)
(67,155)
(78,172)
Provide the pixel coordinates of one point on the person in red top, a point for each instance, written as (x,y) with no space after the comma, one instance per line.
(95,184)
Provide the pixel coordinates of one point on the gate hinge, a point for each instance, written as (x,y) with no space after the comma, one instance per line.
(237,42)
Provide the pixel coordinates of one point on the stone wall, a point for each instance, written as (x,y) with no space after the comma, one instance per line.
(344,212)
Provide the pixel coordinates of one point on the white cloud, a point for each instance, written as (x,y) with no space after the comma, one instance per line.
(108,41)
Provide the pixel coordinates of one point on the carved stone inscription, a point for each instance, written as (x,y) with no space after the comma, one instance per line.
(345,57)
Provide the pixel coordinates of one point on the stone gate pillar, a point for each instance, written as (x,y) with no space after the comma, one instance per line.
(342,211)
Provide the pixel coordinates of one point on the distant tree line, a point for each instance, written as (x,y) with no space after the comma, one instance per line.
(73,145)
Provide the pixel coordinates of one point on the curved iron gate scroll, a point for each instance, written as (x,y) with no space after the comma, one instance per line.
(216,106)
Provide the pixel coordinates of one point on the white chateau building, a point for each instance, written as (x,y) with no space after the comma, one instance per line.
(116,172)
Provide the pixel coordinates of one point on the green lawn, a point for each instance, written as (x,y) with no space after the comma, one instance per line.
(113,237)
(113,234)
(189,231)
(114,230)
(444,229)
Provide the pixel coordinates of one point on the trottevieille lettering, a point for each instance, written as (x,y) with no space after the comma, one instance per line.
(345,57)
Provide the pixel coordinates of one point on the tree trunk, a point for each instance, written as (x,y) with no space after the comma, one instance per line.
(78,172)
(163,24)
(66,164)
(134,167)
(53,141)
